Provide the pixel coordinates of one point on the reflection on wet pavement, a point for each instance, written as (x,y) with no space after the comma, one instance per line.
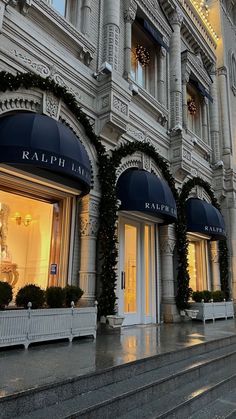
(46,363)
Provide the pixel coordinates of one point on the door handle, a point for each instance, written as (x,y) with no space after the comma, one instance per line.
(122,280)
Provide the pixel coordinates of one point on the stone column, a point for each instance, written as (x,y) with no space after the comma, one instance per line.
(129,17)
(185,80)
(88,238)
(232,243)
(204,120)
(225,122)
(214,119)
(215,266)
(86,12)
(111,29)
(175,70)
(161,94)
(167,245)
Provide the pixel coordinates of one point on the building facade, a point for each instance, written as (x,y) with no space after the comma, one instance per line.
(157,74)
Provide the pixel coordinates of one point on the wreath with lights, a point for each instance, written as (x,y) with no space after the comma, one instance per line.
(142,55)
(192,107)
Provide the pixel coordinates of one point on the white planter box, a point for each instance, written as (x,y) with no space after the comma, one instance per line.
(115,321)
(22,327)
(212,311)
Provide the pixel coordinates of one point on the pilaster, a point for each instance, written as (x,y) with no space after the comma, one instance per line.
(111,32)
(175,70)
(214,120)
(129,17)
(225,121)
(161,77)
(88,237)
(86,13)
(215,266)
(167,245)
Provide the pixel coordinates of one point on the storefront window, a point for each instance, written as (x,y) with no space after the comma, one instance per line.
(25,242)
(198,264)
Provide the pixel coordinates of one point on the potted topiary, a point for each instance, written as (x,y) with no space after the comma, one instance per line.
(5,294)
(55,297)
(30,293)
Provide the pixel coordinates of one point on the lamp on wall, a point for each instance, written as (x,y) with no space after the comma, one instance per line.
(26,220)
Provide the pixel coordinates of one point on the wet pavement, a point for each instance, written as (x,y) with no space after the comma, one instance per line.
(22,369)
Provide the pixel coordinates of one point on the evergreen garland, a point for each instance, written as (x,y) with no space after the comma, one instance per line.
(183,290)
(107,235)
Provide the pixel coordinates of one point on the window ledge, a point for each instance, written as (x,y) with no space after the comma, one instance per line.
(161,114)
(86,48)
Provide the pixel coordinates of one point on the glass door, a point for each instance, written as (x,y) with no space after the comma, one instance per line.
(137,285)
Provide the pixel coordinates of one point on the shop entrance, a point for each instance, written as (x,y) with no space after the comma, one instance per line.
(137,284)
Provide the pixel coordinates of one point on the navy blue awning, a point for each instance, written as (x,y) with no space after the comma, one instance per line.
(139,190)
(42,142)
(152,32)
(203,217)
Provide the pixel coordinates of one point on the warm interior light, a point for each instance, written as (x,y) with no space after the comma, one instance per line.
(26,220)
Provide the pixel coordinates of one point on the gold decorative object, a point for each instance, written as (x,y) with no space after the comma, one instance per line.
(142,55)
(192,108)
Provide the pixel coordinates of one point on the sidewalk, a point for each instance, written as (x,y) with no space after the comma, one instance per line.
(22,369)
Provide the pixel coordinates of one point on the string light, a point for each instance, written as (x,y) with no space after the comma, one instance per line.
(192,108)
(142,55)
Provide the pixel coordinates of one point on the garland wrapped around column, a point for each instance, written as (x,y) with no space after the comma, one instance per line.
(183,290)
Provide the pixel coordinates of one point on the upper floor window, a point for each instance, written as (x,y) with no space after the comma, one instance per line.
(194,110)
(59,5)
(145,60)
(69,9)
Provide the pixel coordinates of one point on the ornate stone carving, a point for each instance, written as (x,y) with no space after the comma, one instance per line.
(222,71)
(176,18)
(35,65)
(214,252)
(127,163)
(138,135)
(167,245)
(105,101)
(51,105)
(130,11)
(17,101)
(146,162)
(59,80)
(88,225)
(24,6)
(119,105)
(111,45)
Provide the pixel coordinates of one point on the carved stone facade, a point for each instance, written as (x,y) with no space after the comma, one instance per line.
(89,53)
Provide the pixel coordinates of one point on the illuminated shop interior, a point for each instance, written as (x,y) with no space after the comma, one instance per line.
(27,241)
(198,262)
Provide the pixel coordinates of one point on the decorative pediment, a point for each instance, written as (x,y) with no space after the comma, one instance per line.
(193,64)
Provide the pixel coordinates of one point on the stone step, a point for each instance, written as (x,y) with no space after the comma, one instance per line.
(136,395)
(222,407)
(182,403)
